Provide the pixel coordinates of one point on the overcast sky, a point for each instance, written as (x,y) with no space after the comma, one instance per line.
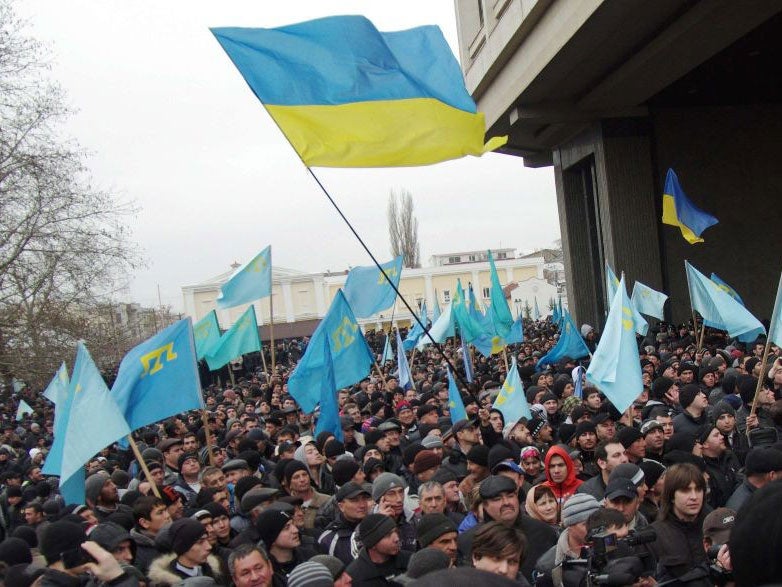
(171,125)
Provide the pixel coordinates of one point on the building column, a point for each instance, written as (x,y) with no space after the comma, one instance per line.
(319,285)
(429,292)
(287,298)
(508,275)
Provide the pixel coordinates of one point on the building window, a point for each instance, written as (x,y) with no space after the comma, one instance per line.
(454,260)
(447,296)
(486,294)
(472,258)
(502,255)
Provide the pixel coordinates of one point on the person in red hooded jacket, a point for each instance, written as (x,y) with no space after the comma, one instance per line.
(560,475)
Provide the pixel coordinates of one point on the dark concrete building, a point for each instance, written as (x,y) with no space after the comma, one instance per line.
(611,94)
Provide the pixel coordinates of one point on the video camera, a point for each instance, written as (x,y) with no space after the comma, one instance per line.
(608,560)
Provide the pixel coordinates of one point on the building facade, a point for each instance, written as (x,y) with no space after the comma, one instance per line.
(612,93)
(300,300)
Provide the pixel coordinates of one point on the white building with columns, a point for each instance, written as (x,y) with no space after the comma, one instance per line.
(299,300)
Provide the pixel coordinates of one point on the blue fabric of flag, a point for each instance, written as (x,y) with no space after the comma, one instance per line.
(57,390)
(467,362)
(417,331)
(500,312)
(252,281)
(648,301)
(351,356)
(612,284)
(207,334)
(328,420)
(775,328)
(440,330)
(388,352)
(368,291)
(511,400)
(615,368)
(570,344)
(403,369)
(455,403)
(22,409)
(159,378)
(468,328)
(240,339)
(679,211)
(491,344)
(348,95)
(727,288)
(95,419)
(535,310)
(720,310)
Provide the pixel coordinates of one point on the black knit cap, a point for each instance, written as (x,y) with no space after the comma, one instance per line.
(344,470)
(184,533)
(432,526)
(269,525)
(59,537)
(15,551)
(374,528)
(292,467)
(687,394)
(479,454)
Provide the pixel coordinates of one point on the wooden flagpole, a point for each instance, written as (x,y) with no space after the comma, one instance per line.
(208,435)
(760,380)
(143,465)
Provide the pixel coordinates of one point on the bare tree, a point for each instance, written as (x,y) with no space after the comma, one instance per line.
(64,247)
(403,229)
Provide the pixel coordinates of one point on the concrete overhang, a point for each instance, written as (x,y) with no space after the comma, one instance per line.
(543,75)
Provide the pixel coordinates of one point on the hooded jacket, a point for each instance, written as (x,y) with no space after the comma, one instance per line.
(163,572)
(568,487)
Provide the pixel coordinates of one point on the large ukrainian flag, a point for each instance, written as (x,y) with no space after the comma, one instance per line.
(679,211)
(347,95)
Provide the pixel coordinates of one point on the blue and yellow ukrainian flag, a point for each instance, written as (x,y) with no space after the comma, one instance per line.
(347,95)
(679,211)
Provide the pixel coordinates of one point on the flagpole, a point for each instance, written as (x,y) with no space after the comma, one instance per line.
(366,248)
(271,313)
(380,373)
(208,435)
(143,465)
(760,380)
(231,374)
(505,357)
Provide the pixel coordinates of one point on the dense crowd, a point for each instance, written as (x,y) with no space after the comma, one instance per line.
(680,488)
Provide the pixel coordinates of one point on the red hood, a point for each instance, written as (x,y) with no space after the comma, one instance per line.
(571,483)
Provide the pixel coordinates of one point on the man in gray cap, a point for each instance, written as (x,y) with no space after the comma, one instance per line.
(388,492)
(501,504)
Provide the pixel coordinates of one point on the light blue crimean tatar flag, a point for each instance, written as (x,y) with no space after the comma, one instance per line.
(417,331)
(240,339)
(615,368)
(467,362)
(24,408)
(500,312)
(159,378)
(775,329)
(207,334)
(612,284)
(570,344)
(57,390)
(328,420)
(95,420)
(388,352)
(403,368)
(252,281)
(719,309)
(455,403)
(648,301)
(441,329)
(511,400)
(726,288)
(491,344)
(351,356)
(368,291)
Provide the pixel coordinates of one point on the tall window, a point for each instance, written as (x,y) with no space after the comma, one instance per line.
(447,296)
(486,294)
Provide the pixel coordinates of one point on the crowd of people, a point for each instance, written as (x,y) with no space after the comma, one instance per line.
(681,488)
